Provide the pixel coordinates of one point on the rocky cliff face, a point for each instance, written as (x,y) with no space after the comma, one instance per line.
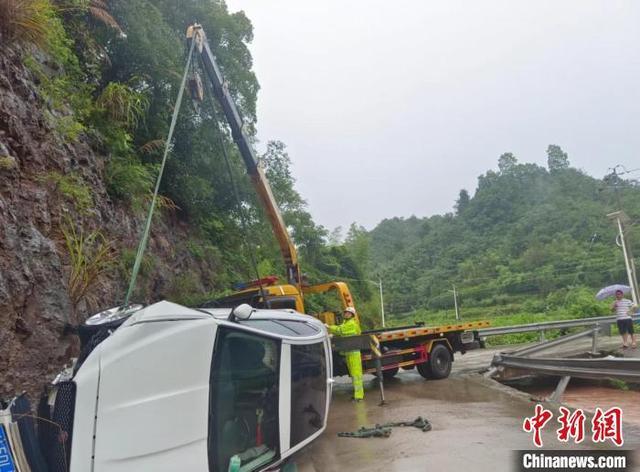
(34,260)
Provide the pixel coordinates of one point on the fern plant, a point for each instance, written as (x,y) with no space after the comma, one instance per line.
(122,104)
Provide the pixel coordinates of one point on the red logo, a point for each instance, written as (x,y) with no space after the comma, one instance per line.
(572,425)
(536,423)
(607,425)
(604,425)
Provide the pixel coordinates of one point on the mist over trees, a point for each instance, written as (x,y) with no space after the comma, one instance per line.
(529,239)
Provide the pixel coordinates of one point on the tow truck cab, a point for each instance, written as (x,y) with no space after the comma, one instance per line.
(174,388)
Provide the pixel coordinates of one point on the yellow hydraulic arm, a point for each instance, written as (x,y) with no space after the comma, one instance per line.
(258,178)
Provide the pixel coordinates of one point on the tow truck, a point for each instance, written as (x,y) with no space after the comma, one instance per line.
(429,349)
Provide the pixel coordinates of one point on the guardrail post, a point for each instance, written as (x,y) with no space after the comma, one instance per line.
(556,396)
(594,339)
(542,338)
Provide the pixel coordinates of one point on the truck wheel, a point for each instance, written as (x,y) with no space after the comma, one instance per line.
(438,366)
(390,373)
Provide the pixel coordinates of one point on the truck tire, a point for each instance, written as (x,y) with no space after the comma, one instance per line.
(438,366)
(390,373)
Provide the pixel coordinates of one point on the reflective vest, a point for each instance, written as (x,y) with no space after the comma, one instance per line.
(350,327)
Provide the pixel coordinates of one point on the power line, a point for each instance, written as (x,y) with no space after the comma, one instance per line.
(546,270)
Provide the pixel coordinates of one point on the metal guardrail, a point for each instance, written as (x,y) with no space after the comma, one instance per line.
(547,325)
(609,367)
(543,346)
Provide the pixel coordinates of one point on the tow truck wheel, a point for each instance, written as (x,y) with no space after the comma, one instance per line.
(390,373)
(438,366)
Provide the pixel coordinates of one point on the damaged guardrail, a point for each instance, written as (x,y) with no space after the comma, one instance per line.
(626,369)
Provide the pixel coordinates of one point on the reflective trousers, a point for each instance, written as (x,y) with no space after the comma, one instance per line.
(354,364)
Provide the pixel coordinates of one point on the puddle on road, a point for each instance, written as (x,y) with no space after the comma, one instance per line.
(588,394)
(410,385)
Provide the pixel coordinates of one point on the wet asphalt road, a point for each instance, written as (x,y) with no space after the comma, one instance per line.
(477,424)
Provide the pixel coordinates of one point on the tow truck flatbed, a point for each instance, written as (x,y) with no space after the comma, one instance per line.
(416,331)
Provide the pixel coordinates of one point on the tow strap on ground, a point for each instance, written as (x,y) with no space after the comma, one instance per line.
(384,430)
(167,146)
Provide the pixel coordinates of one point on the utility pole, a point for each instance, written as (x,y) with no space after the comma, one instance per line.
(621,219)
(455,302)
(381,300)
(379,284)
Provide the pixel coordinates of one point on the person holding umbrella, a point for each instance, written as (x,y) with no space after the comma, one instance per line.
(623,308)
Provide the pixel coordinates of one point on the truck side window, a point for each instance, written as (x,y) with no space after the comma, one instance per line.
(308,390)
(281,303)
(243,411)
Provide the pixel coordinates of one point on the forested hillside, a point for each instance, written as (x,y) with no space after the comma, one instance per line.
(87,89)
(530,240)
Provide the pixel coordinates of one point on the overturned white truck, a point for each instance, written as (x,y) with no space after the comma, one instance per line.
(165,388)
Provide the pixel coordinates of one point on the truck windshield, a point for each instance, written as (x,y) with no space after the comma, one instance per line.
(243,410)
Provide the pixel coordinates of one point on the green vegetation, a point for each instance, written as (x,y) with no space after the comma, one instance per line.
(532,244)
(7,163)
(110,78)
(29,20)
(127,258)
(91,257)
(619,384)
(73,188)
(127,179)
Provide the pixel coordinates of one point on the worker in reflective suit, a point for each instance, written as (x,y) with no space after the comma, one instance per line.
(351,327)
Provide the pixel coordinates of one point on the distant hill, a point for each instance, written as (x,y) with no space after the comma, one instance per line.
(527,238)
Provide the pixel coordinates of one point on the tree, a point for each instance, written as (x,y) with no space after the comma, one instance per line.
(335,237)
(556,158)
(506,162)
(277,165)
(357,244)
(463,201)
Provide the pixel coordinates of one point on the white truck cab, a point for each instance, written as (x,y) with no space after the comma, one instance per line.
(173,388)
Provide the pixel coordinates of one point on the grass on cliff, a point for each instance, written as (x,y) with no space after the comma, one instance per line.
(27,20)
(91,257)
(73,188)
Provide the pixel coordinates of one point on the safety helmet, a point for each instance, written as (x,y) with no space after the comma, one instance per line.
(350,309)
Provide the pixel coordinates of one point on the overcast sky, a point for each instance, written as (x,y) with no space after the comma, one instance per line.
(389,108)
